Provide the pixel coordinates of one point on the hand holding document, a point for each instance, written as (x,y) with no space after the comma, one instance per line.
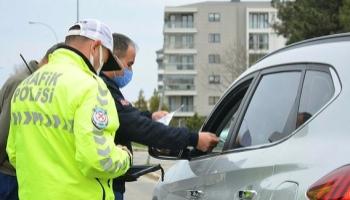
(167,118)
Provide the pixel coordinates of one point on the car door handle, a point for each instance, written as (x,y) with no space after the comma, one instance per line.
(195,194)
(246,194)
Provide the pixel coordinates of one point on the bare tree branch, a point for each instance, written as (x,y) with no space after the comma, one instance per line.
(233,63)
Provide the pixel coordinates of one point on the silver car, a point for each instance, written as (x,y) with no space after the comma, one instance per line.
(284,131)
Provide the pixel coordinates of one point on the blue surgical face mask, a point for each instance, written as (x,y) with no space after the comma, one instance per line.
(122,81)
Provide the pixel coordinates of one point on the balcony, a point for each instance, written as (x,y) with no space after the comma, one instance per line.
(179,10)
(185,111)
(179,68)
(180,87)
(179,27)
(179,45)
(161,66)
(180,92)
(180,51)
(179,24)
(179,30)
(184,108)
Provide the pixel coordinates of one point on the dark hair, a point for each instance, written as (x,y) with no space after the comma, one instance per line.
(121,43)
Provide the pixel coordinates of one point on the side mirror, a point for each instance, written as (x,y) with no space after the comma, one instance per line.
(136,171)
(168,154)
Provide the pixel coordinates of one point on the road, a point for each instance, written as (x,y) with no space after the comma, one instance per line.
(143,187)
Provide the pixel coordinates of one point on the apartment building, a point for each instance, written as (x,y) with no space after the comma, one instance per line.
(206,46)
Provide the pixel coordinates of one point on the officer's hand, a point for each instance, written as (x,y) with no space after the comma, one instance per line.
(206,141)
(127,150)
(159,114)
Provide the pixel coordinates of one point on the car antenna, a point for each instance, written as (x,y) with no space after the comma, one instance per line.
(25,62)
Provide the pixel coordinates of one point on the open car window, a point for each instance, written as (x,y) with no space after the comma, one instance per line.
(223,131)
(225,115)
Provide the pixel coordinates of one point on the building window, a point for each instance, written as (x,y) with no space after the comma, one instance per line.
(214,37)
(179,21)
(214,79)
(253,57)
(160,77)
(214,17)
(213,100)
(187,21)
(214,58)
(179,41)
(258,41)
(179,82)
(185,102)
(180,62)
(258,20)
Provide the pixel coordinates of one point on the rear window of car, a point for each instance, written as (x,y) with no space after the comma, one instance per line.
(282,102)
(318,89)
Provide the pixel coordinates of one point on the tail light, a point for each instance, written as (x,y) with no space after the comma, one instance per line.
(333,186)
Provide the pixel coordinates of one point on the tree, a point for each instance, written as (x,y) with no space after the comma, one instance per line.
(235,62)
(141,102)
(232,63)
(18,68)
(154,102)
(345,15)
(304,19)
(194,123)
(178,122)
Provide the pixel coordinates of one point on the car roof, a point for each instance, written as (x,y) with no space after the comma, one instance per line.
(332,50)
(318,40)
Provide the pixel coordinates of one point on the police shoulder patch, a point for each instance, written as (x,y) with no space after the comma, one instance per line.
(99,118)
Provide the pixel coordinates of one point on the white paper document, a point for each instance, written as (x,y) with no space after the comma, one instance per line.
(167,118)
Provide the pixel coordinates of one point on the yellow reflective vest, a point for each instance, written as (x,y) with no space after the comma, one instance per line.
(61,140)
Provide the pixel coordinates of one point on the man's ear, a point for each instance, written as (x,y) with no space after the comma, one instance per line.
(96,44)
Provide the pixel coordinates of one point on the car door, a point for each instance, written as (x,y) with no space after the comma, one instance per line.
(269,112)
(193,179)
(292,167)
(252,120)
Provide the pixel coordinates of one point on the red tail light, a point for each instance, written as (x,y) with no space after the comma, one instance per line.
(333,186)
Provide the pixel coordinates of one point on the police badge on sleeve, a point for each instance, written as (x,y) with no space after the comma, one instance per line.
(99,118)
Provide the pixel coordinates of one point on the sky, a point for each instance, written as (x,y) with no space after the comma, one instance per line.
(141,20)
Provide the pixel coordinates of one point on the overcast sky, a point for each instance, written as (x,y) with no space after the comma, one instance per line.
(141,20)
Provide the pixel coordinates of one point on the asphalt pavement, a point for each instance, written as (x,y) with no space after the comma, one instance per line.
(143,187)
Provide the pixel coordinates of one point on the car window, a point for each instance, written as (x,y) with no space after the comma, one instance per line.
(230,117)
(317,90)
(271,112)
(225,114)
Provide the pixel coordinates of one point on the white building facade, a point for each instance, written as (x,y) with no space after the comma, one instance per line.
(202,45)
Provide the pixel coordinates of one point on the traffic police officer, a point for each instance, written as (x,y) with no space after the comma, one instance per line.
(63,122)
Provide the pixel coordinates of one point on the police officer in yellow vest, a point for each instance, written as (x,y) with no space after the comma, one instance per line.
(63,122)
